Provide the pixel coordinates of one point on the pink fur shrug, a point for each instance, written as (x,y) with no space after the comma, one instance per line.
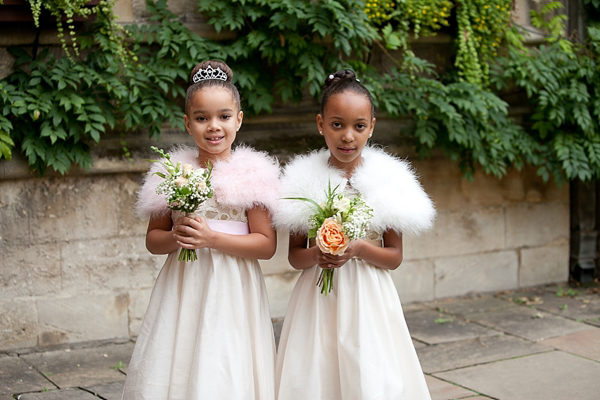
(247,179)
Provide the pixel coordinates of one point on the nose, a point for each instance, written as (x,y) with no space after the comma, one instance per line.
(213,124)
(348,135)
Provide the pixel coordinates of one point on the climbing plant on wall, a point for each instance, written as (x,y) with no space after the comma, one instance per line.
(281,50)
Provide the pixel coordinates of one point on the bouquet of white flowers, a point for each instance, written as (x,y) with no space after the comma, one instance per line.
(334,224)
(185,188)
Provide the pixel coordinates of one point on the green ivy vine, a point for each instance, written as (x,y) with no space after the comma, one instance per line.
(53,109)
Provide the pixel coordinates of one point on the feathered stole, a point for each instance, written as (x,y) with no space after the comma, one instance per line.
(387,184)
(247,179)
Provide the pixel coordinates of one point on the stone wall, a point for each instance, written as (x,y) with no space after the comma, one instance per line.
(74,268)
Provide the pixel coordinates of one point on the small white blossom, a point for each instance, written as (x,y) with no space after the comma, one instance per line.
(181,181)
(342,204)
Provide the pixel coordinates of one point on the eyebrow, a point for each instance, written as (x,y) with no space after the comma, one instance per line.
(358,119)
(200,111)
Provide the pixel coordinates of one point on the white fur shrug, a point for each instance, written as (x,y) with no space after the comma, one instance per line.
(247,179)
(387,184)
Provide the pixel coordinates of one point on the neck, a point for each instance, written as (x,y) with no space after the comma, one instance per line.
(346,168)
(205,158)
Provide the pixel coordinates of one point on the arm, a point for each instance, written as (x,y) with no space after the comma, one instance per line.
(388,257)
(260,243)
(299,256)
(159,236)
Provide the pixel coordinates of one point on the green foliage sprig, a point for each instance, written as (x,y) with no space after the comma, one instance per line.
(53,110)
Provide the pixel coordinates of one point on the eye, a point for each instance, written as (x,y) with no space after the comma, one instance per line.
(225,116)
(360,127)
(336,125)
(200,119)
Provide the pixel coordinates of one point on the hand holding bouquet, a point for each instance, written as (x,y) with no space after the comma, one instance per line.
(185,188)
(334,224)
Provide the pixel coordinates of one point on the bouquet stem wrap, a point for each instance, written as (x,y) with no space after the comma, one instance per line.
(188,254)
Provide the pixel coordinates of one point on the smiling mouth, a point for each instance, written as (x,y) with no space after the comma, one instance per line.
(346,149)
(215,139)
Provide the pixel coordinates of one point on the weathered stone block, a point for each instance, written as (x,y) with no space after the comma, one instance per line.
(116,263)
(457,276)
(74,208)
(457,233)
(414,281)
(138,304)
(128,223)
(123,9)
(279,288)
(536,224)
(82,318)
(542,265)
(29,270)
(18,324)
(15,212)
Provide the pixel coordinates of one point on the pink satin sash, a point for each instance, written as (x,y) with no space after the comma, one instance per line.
(230,227)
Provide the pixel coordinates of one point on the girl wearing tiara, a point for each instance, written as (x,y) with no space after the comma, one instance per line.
(354,342)
(207,333)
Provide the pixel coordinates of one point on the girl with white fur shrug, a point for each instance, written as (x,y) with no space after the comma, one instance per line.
(207,332)
(352,344)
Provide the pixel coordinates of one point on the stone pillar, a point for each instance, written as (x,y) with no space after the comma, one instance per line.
(584,233)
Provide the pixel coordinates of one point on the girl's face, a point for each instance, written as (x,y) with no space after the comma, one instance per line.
(213,119)
(346,124)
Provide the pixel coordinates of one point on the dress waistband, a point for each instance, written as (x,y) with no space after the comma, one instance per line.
(230,227)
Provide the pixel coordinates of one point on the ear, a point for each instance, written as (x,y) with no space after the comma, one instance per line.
(240,117)
(319,123)
(372,126)
(186,122)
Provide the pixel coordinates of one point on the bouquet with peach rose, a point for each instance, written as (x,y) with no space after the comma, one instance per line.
(185,188)
(335,222)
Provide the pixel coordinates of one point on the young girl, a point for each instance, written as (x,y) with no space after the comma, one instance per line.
(207,333)
(353,343)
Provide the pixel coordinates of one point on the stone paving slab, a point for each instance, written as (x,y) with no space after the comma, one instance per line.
(583,308)
(423,327)
(447,356)
(63,394)
(108,391)
(528,323)
(83,367)
(17,376)
(470,306)
(585,344)
(442,390)
(546,376)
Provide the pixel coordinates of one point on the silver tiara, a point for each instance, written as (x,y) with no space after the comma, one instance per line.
(209,73)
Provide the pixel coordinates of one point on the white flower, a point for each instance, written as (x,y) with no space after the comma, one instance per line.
(202,186)
(187,168)
(342,204)
(181,181)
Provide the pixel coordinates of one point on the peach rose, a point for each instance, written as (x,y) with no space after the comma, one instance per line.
(331,238)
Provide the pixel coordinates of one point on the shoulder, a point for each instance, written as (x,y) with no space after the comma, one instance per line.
(309,174)
(391,186)
(247,179)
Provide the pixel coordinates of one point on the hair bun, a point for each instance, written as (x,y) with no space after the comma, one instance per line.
(342,75)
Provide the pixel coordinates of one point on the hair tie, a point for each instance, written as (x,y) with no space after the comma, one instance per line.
(331,76)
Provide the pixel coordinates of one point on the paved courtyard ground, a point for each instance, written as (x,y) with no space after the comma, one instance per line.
(537,344)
